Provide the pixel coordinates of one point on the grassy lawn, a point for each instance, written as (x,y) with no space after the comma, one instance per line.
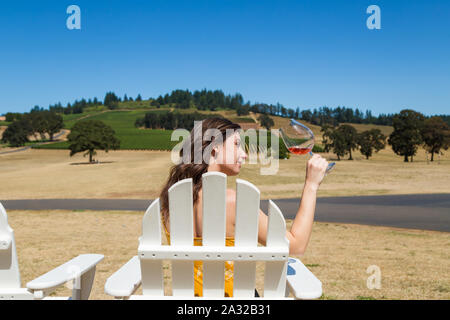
(414,264)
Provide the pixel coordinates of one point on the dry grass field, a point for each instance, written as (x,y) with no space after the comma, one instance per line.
(414,264)
(36,174)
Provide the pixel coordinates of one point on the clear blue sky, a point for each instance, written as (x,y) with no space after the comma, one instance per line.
(305,53)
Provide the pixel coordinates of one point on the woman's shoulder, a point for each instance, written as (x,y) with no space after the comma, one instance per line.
(230,194)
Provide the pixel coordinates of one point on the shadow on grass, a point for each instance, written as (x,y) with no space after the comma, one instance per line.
(86,163)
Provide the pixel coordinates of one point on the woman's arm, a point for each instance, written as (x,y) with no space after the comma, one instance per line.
(300,231)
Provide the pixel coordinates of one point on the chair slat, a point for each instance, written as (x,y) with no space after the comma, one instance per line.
(276,229)
(214,188)
(275,272)
(246,234)
(182,234)
(275,279)
(244,279)
(152,277)
(151,225)
(181,213)
(247,212)
(182,278)
(213,279)
(152,271)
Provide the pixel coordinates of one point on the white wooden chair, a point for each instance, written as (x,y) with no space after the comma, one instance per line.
(146,268)
(80,270)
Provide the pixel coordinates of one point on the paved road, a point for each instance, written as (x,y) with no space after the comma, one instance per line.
(427,211)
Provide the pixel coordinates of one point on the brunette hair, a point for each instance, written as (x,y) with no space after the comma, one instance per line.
(189,169)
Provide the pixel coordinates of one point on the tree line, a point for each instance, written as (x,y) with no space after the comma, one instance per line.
(171,120)
(35,123)
(344,139)
(216,99)
(411,130)
(212,100)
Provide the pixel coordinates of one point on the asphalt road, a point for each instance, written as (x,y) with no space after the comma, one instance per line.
(424,211)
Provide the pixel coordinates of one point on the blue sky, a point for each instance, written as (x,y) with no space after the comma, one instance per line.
(300,53)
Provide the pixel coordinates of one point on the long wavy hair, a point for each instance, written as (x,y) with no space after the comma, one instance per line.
(190,169)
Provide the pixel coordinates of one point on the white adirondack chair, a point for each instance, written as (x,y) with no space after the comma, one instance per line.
(80,270)
(282,274)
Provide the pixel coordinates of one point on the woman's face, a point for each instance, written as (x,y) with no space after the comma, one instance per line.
(230,155)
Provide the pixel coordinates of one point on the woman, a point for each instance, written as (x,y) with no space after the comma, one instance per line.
(227,155)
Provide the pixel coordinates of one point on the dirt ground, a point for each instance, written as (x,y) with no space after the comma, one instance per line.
(414,264)
(39,174)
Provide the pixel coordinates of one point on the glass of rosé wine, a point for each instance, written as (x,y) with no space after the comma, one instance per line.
(299,139)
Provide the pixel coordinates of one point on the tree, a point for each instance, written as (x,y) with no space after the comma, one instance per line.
(91,135)
(435,135)
(243,110)
(17,133)
(349,136)
(333,140)
(155,103)
(111,100)
(371,140)
(406,137)
(36,109)
(160,100)
(38,123)
(54,123)
(10,116)
(266,121)
(139,98)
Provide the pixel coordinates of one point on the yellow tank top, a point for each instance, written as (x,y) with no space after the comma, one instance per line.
(198,268)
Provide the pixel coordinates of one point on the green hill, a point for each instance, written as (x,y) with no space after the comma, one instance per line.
(132,138)
(122,121)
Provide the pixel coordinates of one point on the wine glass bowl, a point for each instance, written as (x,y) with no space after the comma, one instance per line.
(299,139)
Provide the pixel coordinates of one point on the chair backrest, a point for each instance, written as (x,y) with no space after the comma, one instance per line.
(213,252)
(9,267)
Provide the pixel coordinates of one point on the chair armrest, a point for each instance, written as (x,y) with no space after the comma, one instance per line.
(71,270)
(302,282)
(5,243)
(125,281)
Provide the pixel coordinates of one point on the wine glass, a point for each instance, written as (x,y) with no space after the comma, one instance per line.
(299,139)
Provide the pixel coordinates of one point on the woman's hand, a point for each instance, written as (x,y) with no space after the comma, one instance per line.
(315,171)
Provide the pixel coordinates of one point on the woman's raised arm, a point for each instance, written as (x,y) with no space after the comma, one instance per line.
(300,231)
